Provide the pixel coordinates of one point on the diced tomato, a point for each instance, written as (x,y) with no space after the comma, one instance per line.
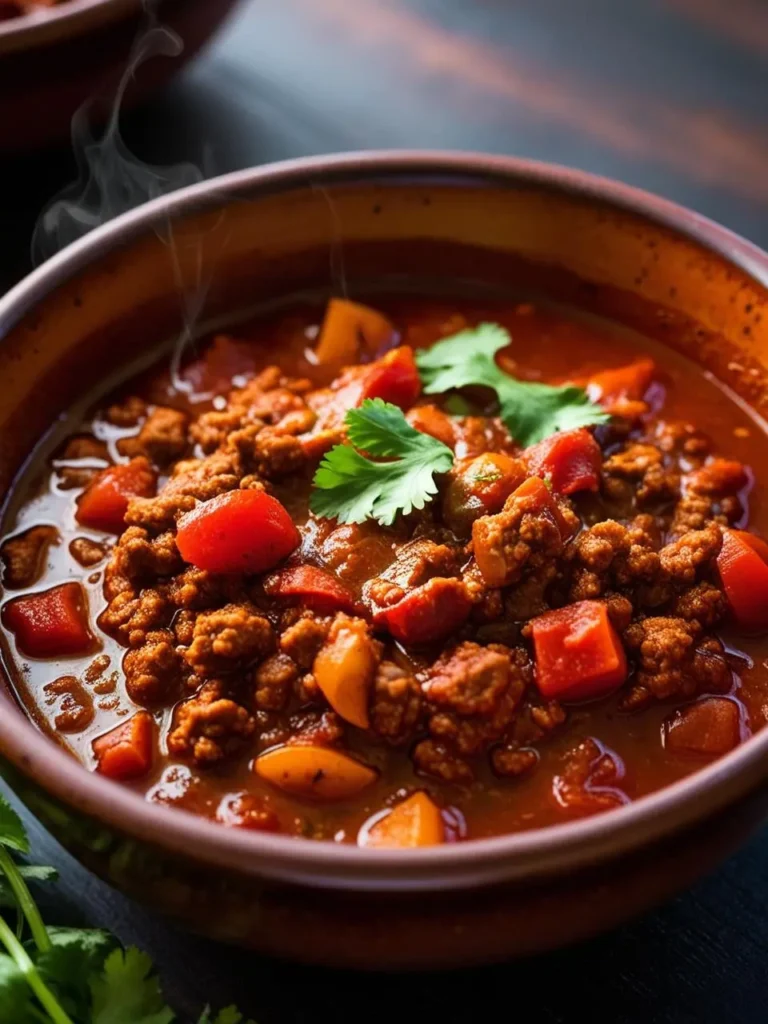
(104,504)
(315,588)
(347,327)
(631,381)
(707,728)
(430,612)
(756,543)
(245,531)
(579,655)
(50,624)
(744,574)
(395,379)
(570,461)
(126,751)
(429,419)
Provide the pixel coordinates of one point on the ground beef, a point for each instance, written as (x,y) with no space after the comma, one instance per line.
(162,438)
(130,616)
(528,598)
(152,671)
(512,762)
(677,437)
(588,781)
(315,729)
(518,540)
(469,679)
(228,638)
(86,552)
(75,705)
(704,602)
(210,726)
(273,682)
(438,762)
(639,471)
(692,552)
(673,660)
(303,637)
(126,413)
(24,556)
(85,446)
(138,556)
(356,550)
(475,693)
(159,513)
(711,492)
(268,452)
(396,704)
(610,555)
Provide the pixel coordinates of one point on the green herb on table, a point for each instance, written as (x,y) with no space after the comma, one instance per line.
(530,410)
(351,487)
(69,975)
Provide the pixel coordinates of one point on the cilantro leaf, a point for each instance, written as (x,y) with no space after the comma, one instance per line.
(75,954)
(13,835)
(351,487)
(229,1015)
(127,992)
(15,996)
(530,410)
(30,873)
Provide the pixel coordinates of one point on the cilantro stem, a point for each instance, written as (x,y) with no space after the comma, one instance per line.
(21,958)
(25,901)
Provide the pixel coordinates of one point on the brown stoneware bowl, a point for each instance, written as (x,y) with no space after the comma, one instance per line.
(53,60)
(340,222)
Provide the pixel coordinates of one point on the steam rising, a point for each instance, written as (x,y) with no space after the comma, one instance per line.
(111,179)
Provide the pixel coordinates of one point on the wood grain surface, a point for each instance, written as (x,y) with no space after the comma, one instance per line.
(670,95)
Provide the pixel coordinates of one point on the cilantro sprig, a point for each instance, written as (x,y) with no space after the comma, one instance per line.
(351,487)
(530,410)
(69,975)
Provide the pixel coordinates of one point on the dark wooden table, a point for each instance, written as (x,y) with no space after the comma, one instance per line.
(671,95)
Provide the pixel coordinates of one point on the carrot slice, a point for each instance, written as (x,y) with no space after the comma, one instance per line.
(744,575)
(314,772)
(50,624)
(237,532)
(414,822)
(104,504)
(631,381)
(579,655)
(570,460)
(126,751)
(349,327)
(344,670)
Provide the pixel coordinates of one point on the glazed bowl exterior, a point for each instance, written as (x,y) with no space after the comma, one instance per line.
(340,223)
(54,60)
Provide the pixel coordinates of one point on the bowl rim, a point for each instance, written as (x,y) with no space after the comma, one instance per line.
(555,848)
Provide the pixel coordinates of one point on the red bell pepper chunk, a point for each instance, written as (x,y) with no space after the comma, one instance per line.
(395,379)
(104,504)
(315,588)
(631,381)
(126,752)
(571,461)
(430,612)
(744,575)
(50,624)
(579,655)
(238,532)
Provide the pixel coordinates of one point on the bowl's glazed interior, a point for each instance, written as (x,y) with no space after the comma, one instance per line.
(340,225)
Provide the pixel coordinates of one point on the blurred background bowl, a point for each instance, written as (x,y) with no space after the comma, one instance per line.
(54,60)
